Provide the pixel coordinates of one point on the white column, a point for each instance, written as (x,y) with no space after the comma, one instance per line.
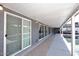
(73,35)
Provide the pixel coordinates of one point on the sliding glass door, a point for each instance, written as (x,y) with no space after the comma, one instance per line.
(18,34)
(76,35)
(67,33)
(13,36)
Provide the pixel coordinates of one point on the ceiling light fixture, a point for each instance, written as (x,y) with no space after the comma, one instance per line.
(1,7)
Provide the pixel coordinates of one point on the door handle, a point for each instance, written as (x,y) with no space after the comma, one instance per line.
(6,35)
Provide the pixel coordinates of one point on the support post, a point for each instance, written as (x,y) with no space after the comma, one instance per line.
(73,36)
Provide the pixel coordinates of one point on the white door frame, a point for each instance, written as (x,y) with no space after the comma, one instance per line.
(29,31)
(5,19)
(4,34)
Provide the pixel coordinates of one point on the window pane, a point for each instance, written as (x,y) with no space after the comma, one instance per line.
(41,32)
(26,33)
(13,41)
(77,35)
(67,33)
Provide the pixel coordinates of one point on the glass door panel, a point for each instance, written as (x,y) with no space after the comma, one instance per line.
(76,35)
(26,33)
(13,31)
(67,33)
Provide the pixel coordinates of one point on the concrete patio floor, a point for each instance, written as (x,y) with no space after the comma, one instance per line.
(53,46)
(58,47)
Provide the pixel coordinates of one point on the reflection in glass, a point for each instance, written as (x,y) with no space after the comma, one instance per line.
(67,33)
(13,39)
(77,34)
(26,33)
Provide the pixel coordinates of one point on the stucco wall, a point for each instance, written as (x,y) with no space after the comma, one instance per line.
(1,32)
(35,32)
